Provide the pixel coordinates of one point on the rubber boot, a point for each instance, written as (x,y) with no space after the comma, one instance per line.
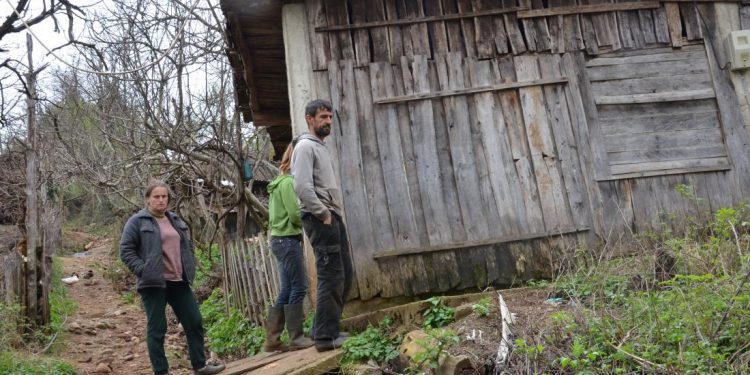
(274,329)
(295,317)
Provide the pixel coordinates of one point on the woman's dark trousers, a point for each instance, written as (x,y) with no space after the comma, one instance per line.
(334,272)
(288,253)
(181,298)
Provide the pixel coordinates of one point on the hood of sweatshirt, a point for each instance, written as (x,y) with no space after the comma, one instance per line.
(276,181)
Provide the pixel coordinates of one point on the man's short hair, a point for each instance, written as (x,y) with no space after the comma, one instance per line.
(312,108)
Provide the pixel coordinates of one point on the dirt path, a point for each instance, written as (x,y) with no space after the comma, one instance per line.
(107,333)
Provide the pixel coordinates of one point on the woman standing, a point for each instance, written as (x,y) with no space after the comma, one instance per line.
(156,247)
(286,244)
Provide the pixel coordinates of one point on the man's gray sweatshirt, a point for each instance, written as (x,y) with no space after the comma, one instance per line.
(314,180)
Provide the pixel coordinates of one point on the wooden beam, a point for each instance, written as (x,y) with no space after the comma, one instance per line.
(592,8)
(247,62)
(657,97)
(467,244)
(271,118)
(411,21)
(471,90)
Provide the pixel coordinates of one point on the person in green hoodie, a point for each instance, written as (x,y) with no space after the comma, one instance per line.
(286,244)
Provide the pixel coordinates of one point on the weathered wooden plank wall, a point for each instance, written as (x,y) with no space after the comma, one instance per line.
(452,180)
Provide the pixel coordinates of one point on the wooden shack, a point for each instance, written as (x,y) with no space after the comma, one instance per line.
(476,140)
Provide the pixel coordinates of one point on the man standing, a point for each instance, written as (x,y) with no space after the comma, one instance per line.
(320,203)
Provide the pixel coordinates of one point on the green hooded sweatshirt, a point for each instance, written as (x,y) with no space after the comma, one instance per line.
(283,209)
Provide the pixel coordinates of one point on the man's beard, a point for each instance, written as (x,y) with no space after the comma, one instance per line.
(323,131)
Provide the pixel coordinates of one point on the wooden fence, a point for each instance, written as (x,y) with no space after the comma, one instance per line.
(12,282)
(251,276)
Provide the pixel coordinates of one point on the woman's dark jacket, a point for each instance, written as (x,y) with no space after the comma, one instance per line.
(140,249)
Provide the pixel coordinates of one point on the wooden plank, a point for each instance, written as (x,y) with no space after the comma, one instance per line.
(661,26)
(477,243)
(491,29)
(691,21)
(659,140)
(450,16)
(403,82)
(646,18)
(344,94)
(557,37)
(583,100)
(621,111)
(427,162)
(686,164)
(685,82)
(674,23)
(472,90)
(450,76)
(512,29)
(416,37)
(745,16)
(567,148)
(541,144)
(395,35)
(371,168)
(522,175)
(455,35)
(436,29)
(667,154)
(447,175)
(319,45)
(490,126)
(583,141)
(658,97)
(689,53)
(636,28)
(361,36)
(303,362)
(379,35)
(529,31)
(543,37)
(643,70)
(628,35)
(403,224)
(589,32)
(660,123)
(248,364)
(342,47)
(470,33)
(591,8)
(602,28)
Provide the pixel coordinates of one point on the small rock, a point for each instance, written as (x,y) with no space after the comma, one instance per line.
(88,246)
(75,328)
(86,359)
(90,282)
(103,368)
(90,331)
(128,357)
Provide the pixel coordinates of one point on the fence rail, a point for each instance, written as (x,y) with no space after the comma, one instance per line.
(251,276)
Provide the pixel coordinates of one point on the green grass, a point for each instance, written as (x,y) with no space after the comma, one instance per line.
(229,334)
(12,363)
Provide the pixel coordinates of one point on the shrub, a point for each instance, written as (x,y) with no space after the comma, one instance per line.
(481,308)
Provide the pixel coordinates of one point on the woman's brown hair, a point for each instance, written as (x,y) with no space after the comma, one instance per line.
(286,160)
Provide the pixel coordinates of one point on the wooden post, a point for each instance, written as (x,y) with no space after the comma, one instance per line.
(33,240)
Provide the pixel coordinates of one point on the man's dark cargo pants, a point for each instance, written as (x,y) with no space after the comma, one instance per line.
(334,271)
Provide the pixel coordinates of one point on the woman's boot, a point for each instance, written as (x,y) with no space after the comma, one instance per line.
(295,318)
(274,329)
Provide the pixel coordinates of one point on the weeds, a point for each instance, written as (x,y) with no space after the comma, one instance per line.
(229,334)
(437,314)
(374,343)
(482,307)
(629,318)
(433,349)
